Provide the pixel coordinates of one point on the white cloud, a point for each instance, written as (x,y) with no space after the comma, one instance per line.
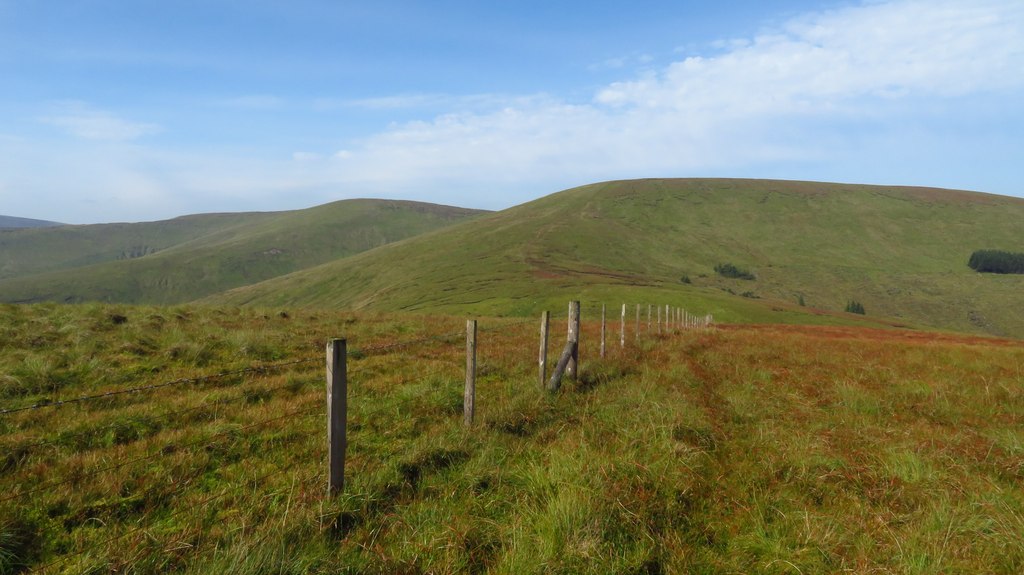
(871,93)
(82,121)
(899,49)
(783,96)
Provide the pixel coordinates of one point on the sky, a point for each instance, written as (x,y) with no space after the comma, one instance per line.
(138,110)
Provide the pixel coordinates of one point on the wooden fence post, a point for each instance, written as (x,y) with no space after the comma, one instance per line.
(563,360)
(648,319)
(667,320)
(572,367)
(337,407)
(622,328)
(469,396)
(637,322)
(604,324)
(542,359)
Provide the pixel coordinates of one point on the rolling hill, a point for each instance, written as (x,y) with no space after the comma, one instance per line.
(186,258)
(11,222)
(26,252)
(901,252)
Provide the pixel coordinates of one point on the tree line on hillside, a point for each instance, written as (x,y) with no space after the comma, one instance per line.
(729,270)
(997,262)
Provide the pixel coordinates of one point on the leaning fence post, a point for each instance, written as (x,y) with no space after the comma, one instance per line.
(572,367)
(545,318)
(469,397)
(337,405)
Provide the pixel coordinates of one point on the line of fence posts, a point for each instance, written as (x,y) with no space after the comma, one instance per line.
(568,365)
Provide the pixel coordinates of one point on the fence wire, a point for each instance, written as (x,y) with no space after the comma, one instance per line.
(181,381)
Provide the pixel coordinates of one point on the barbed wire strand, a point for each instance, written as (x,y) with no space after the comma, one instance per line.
(390,346)
(205,442)
(254,369)
(507,326)
(198,379)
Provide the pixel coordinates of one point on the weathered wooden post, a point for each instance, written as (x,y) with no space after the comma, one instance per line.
(622,328)
(648,319)
(637,322)
(668,322)
(469,395)
(572,367)
(659,319)
(542,359)
(603,328)
(337,406)
(563,360)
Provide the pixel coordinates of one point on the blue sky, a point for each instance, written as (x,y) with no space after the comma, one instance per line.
(143,110)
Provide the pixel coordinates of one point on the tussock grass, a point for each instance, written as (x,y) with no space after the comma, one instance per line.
(754,450)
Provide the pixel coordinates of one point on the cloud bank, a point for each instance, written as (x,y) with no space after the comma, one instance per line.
(918,92)
(800,93)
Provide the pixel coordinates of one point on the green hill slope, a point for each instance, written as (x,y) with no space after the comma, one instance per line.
(11,222)
(25,252)
(901,252)
(187,259)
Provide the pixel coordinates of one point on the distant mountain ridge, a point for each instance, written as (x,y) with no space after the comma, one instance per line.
(179,260)
(11,223)
(811,248)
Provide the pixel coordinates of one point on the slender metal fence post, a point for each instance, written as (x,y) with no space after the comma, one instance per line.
(622,328)
(604,328)
(572,367)
(337,406)
(469,397)
(545,318)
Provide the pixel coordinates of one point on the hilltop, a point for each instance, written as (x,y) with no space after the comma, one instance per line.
(186,258)
(899,251)
(11,222)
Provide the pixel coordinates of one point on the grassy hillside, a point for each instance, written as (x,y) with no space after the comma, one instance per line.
(769,450)
(240,250)
(901,252)
(25,252)
(11,222)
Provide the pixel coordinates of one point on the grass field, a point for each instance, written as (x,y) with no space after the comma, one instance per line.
(753,449)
